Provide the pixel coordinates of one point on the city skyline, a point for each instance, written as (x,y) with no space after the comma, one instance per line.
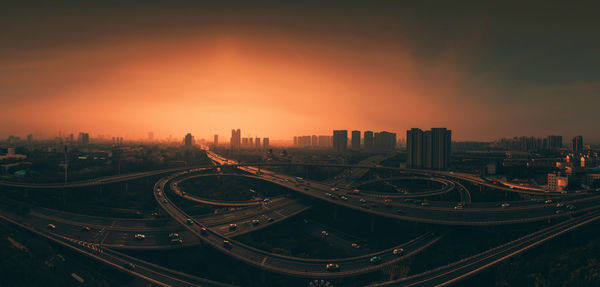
(218,66)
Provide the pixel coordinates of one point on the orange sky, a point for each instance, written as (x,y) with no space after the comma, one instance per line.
(268,81)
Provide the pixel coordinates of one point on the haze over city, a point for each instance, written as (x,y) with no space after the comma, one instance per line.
(299,143)
(489,71)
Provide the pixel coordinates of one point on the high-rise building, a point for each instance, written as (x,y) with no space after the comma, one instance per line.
(236,137)
(369,141)
(314,141)
(266,143)
(216,140)
(554,142)
(355,140)
(188,140)
(384,141)
(150,136)
(324,142)
(83,138)
(250,143)
(428,149)
(295,141)
(414,148)
(257,143)
(340,140)
(578,144)
(245,142)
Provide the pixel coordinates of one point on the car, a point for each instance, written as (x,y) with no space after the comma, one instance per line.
(364,205)
(232,227)
(227,244)
(399,211)
(255,222)
(173,235)
(189,221)
(425,203)
(165,201)
(332,267)
(375,260)
(51,226)
(571,207)
(177,241)
(334,189)
(269,219)
(267,200)
(85,228)
(306,188)
(505,205)
(559,205)
(204,231)
(129,266)
(398,251)
(558,211)
(458,207)
(355,245)
(362,200)
(139,236)
(324,233)
(155,213)
(548,201)
(387,202)
(344,197)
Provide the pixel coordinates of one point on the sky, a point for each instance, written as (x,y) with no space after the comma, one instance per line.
(278,69)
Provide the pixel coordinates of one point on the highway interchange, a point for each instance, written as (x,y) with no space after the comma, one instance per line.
(107,234)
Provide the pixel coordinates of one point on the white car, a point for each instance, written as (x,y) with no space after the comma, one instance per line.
(548,201)
(139,236)
(505,205)
(355,245)
(458,207)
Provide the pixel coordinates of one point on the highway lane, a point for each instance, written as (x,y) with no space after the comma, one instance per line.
(154,274)
(120,233)
(308,268)
(461,269)
(448,186)
(419,213)
(97,181)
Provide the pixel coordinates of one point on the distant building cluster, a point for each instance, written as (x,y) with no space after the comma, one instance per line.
(428,149)
(339,141)
(529,143)
(237,142)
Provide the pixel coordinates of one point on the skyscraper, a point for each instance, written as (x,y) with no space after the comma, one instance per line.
(257,143)
(384,141)
(216,140)
(554,142)
(340,140)
(84,138)
(429,149)
(356,140)
(266,143)
(577,144)
(188,140)
(368,141)
(236,138)
(414,148)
